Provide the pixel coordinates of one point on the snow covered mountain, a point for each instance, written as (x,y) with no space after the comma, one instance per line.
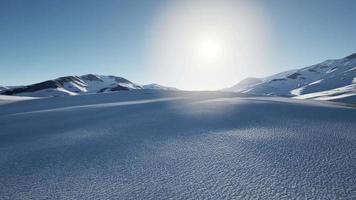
(3,88)
(75,85)
(154,86)
(329,80)
(245,84)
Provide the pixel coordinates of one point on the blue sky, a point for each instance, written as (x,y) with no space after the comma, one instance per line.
(43,39)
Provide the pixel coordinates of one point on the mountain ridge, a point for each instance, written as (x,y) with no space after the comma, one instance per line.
(76,85)
(329,79)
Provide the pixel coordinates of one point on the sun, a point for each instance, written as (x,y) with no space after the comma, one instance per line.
(209,49)
(194,42)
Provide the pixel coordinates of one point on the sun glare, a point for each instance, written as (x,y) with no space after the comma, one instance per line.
(210,49)
(197,41)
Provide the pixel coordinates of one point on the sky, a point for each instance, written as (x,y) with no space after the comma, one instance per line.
(194,45)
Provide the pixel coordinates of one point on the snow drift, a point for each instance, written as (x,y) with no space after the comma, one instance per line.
(176,145)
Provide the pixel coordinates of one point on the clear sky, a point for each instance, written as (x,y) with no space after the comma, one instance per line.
(186,44)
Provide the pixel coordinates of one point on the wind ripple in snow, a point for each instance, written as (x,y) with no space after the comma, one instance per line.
(206,147)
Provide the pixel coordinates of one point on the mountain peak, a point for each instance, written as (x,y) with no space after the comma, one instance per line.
(76,85)
(91,77)
(154,86)
(352,56)
(329,80)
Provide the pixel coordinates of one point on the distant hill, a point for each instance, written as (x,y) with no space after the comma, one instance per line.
(76,85)
(154,86)
(330,80)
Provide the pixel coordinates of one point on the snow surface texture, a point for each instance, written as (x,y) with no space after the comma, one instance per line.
(76,85)
(329,80)
(178,145)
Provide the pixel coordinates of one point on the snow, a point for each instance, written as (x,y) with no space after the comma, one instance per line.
(297,91)
(94,86)
(78,85)
(316,82)
(73,85)
(3,88)
(4,99)
(345,94)
(152,144)
(155,86)
(352,69)
(52,92)
(322,77)
(244,85)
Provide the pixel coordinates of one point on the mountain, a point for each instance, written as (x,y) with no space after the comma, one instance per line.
(154,86)
(329,80)
(245,84)
(3,88)
(75,85)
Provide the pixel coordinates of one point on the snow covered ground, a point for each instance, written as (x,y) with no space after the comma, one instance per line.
(5,99)
(178,145)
